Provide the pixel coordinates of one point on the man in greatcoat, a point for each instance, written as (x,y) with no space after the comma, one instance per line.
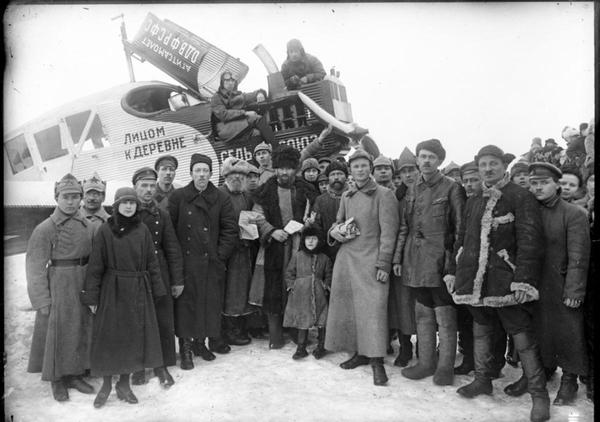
(165,167)
(263,156)
(558,317)
(383,171)
(168,252)
(431,219)
(499,268)
(55,263)
(205,224)
(94,193)
(239,265)
(280,199)
(357,318)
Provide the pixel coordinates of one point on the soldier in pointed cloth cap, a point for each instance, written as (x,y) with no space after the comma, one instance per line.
(453,170)
(170,261)
(383,170)
(94,193)
(55,263)
(263,156)
(408,171)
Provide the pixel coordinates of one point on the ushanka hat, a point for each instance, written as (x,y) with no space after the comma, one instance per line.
(494,151)
(68,184)
(433,145)
(234,165)
(200,158)
(286,156)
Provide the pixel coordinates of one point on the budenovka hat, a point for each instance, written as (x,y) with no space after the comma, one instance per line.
(200,158)
(144,173)
(263,146)
(94,183)
(68,184)
(433,145)
(407,158)
(450,167)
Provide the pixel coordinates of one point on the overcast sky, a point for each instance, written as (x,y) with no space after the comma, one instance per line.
(468,74)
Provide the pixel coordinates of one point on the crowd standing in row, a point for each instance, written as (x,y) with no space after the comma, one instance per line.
(363,250)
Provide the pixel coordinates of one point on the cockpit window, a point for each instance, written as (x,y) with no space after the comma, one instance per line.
(50,144)
(148,99)
(18,154)
(76,124)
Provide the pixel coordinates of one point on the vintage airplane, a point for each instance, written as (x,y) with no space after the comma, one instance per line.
(128,126)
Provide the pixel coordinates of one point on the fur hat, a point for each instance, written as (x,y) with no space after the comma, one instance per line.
(312,231)
(252,168)
(125,194)
(168,159)
(496,152)
(286,156)
(68,184)
(336,165)
(143,173)
(233,165)
(519,167)
(200,158)
(407,158)
(309,163)
(263,146)
(94,183)
(433,145)
(383,161)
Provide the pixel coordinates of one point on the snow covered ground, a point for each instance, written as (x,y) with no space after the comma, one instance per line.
(255,383)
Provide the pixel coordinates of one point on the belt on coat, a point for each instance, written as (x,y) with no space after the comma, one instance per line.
(69,262)
(124,273)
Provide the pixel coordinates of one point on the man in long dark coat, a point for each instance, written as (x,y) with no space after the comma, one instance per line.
(280,199)
(165,167)
(168,252)
(207,230)
(499,267)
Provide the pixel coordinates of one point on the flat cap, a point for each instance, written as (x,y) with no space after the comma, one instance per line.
(166,159)
(543,170)
(144,173)
(469,167)
(494,151)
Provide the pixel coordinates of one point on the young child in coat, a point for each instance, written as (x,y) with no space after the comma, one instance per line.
(122,282)
(308,278)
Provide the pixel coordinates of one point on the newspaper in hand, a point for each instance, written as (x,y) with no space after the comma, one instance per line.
(248,227)
(293,227)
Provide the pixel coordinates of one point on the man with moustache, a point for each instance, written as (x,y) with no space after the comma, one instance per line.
(357,316)
(499,268)
(280,199)
(170,260)
(383,170)
(55,264)
(165,167)
(239,265)
(431,219)
(94,193)
(205,224)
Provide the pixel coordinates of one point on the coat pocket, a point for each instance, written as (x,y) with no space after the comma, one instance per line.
(438,207)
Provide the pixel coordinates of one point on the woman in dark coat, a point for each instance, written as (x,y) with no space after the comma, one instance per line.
(123,278)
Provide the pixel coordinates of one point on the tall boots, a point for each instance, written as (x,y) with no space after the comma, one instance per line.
(567,391)
(465,340)
(426,345)
(185,352)
(275,331)
(483,357)
(301,349)
(320,351)
(234,331)
(405,352)
(446,320)
(379,375)
(529,353)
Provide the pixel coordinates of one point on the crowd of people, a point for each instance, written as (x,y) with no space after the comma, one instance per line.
(484,258)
